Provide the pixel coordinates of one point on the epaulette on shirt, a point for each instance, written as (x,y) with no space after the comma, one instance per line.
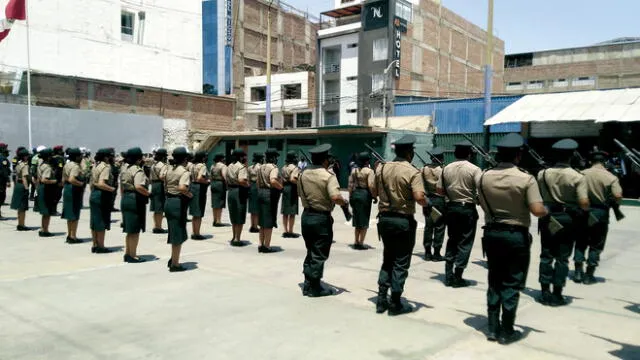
(524,171)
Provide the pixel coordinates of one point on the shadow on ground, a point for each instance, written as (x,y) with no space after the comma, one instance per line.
(535,295)
(628,351)
(479,323)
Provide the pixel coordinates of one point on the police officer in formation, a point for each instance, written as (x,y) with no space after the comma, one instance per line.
(133,204)
(100,200)
(57,164)
(604,191)
(218,188)
(458,183)
(269,188)
(399,187)
(253,171)
(507,195)
(73,193)
(177,185)
(289,206)
(319,191)
(434,227)
(237,180)
(158,194)
(199,189)
(362,192)
(20,197)
(5,174)
(47,191)
(565,193)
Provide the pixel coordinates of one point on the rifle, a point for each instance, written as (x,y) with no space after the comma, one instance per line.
(433,158)
(635,159)
(485,155)
(304,154)
(536,156)
(424,163)
(581,160)
(375,153)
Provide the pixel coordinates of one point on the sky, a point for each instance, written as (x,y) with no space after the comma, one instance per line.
(533,25)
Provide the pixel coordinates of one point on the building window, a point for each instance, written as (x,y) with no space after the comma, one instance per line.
(126,25)
(377,82)
(303,120)
(352,111)
(259,93)
(332,60)
(288,121)
(291,91)
(584,81)
(351,46)
(514,85)
(535,84)
(380,49)
(352,78)
(331,91)
(331,118)
(262,122)
(404,10)
(560,83)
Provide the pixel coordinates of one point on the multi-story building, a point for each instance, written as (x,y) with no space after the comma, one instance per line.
(292,100)
(375,50)
(235,45)
(608,65)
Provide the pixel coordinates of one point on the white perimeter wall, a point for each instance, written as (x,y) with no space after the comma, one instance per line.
(82,38)
(277,102)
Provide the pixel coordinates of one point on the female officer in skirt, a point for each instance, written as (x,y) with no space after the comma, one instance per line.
(218,188)
(47,188)
(20,197)
(269,188)
(362,190)
(133,204)
(253,191)
(177,184)
(199,185)
(72,194)
(289,207)
(100,200)
(238,184)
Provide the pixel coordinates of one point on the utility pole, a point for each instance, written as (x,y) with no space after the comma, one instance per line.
(488,74)
(386,89)
(268,90)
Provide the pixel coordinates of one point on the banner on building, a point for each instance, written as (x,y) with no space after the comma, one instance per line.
(397,43)
(375,15)
(229,22)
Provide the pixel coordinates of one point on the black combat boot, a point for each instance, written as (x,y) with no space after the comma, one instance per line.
(427,254)
(458,281)
(448,274)
(382,304)
(589,279)
(306,286)
(545,297)
(436,255)
(507,334)
(578,273)
(494,324)
(317,290)
(397,307)
(557,298)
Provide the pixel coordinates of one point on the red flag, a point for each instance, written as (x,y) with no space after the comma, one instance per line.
(15,10)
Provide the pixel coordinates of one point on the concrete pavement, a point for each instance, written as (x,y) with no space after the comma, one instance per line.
(59,301)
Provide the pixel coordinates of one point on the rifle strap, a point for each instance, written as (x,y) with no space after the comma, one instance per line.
(386,191)
(492,216)
(544,181)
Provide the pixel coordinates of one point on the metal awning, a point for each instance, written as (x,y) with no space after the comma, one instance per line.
(345,11)
(595,105)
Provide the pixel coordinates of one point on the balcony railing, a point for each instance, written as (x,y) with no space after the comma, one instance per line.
(331,68)
(331,98)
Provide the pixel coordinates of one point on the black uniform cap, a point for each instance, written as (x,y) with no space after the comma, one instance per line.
(258,156)
(511,141)
(291,155)
(179,151)
(46,152)
(364,156)
(599,155)
(74,152)
(320,149)
(405,141)
(218,157)
(565,144)
(437,151)
(464,144)
(238,152)
(133,152)
(161,151)
(271,151)
(23,152)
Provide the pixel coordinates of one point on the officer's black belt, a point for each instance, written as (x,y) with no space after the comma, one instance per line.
(129,191)
(233,186)
(506,227)
(362,188)
(463,204)
(314,211)
(600,206)
(156,181)
(435,196)
(173,195)
(219,180)
(393,214)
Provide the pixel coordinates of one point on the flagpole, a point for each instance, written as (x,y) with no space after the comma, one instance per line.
(28,77)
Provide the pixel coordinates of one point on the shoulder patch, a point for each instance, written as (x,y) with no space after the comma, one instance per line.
(523,170)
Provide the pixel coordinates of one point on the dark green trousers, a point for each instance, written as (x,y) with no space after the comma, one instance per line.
(461,223)
(434,231)
(508,255)
(556,249)
(398,233)
(594,238)
(317,232)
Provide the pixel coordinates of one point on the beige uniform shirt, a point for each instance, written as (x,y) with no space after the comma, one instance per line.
(132,177)
(189,166)
(363,178)
(267,173)
(458,180)
(601,185)
(102,171)
(176,176)
(199,170)
(71,169)
(218,171)
(396,181)
(236,172)
(22,171)
(254,170)
(431,174)
(562,184)
(158,171)
(45,172)
(316,186)
(290,172)
(508,191)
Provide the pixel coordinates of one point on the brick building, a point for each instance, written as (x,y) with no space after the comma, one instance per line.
(609,65)
(378,50)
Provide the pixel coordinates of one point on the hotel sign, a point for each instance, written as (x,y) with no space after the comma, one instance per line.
(229,20)
(375,15)
(397,43)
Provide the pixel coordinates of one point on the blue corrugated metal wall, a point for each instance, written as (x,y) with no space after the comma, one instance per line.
(460,116)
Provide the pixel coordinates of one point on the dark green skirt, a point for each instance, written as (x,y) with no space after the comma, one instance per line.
(72,202)
(133,207)
(237,198)
(361,204)
(253,199)
(47,199)
(20,198)
(158,197)
(218,194)
(198,202)
(100,210)
(175,210)
(289,199)
(268,208)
